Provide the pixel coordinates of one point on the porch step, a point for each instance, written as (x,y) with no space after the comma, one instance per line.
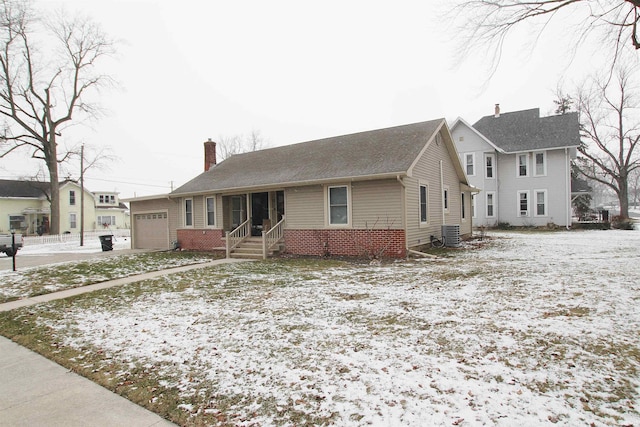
(250,248)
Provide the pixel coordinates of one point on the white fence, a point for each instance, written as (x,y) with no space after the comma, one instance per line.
(73,237)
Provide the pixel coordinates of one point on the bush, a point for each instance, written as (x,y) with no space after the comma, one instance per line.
(621,223)
(503,226)
(591,225)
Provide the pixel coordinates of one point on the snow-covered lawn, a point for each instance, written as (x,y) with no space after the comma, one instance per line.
(531,329)
(31,281)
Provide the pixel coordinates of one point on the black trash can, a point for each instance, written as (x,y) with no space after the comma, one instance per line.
(107,242)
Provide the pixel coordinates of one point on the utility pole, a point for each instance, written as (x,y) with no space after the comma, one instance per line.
(82,195)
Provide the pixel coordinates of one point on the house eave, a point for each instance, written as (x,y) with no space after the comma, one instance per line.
(145,198)
(276,186)
(540,149)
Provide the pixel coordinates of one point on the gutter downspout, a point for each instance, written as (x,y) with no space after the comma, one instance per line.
(404,209)
(497,193)
(567,183)
(442,191)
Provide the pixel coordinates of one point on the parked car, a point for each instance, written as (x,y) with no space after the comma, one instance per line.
(6,243)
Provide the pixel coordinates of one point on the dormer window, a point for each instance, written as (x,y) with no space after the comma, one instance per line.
(107,199)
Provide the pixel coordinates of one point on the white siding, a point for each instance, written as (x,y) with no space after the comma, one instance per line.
(506,183)
(555,182)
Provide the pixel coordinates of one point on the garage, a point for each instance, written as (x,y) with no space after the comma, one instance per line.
(151,230)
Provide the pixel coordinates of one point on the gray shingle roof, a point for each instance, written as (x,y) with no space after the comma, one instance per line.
(378,152)
(30,189)
(526,130)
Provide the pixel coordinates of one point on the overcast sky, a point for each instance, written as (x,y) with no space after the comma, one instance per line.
(294,71)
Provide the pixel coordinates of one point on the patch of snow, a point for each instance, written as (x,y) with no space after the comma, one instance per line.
(91,245)
(537,328)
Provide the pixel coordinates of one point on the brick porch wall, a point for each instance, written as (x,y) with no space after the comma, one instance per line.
(200,239)
(345,242)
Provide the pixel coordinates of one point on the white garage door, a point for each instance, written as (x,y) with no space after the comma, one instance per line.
(151,231)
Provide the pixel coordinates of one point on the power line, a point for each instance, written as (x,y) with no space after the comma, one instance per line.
(130,183)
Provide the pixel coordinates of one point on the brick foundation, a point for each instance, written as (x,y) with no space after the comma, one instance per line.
(200,239)
(359,243)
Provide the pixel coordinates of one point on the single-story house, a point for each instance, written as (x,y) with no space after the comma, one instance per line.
(375,193)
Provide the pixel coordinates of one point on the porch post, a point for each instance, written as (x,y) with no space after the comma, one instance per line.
(264,245)
(227,244)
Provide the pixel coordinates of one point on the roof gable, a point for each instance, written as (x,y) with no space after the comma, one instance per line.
(526,130)
(362,155)
(462,122)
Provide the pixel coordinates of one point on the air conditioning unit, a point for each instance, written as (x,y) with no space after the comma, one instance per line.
(451,234)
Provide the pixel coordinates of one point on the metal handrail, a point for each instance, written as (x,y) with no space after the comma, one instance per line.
(272,237)
(235,237)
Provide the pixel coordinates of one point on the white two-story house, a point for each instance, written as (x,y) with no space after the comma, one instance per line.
(522,164)
(25,207)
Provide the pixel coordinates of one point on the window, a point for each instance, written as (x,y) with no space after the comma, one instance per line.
(473,206)
(523,203)
(72,198)
(188,212)
(490,203)
(445,198)
(338,205)
(462,213)
(238,210)
(424,192)
(72,220)
(541,202)
(17,222)
(541,164)
(107,199)
(210,206)
(523,163)
(469,161)
(106,220)
(489,162)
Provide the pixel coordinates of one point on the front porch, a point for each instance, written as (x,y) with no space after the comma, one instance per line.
(240,243)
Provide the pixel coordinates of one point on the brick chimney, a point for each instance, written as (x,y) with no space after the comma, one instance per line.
(209,154)
(497,111)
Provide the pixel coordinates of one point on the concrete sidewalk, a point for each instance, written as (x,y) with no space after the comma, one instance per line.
(110,284)
(35,391)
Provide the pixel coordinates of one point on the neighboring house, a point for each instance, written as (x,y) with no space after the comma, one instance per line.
(24,207)
(522,164)
(371,193)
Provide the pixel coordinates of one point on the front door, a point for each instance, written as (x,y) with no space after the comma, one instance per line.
(259,212)
(279,205)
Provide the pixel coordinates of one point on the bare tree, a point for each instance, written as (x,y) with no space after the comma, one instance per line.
(47,71)
(236,144)
(487,23)
(610,128)
(634,187)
